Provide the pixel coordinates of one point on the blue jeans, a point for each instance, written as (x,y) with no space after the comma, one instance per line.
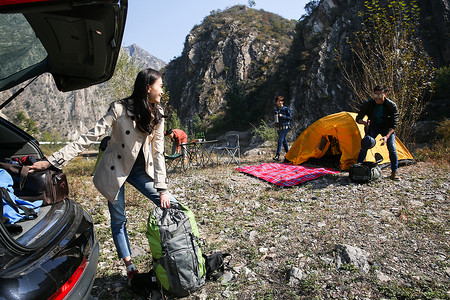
(383,130)
(143,183)
(282,142)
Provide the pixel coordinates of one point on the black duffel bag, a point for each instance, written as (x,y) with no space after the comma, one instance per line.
(48,185)
(366,171)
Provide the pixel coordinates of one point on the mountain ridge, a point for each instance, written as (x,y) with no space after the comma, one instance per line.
(72,113)
(259,53)
(305,72)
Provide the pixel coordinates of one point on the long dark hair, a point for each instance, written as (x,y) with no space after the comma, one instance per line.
(147,114)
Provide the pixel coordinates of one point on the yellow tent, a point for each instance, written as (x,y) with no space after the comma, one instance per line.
(339,134)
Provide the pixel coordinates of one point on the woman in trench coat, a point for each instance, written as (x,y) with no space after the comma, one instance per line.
(135,154)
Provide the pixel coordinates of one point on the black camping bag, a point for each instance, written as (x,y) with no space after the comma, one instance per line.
(215,265)
(366,171)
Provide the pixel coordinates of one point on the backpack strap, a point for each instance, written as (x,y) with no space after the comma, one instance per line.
(23,176)
(29,213)
(3,219)
(215,266)
(11,228)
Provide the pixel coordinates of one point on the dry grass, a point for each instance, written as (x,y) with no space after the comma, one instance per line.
(404,226)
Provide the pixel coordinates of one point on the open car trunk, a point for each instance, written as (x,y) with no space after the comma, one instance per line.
(60,241)
(78,42)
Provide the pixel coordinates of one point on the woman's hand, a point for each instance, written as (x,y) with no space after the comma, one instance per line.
(164,199)
(39,166)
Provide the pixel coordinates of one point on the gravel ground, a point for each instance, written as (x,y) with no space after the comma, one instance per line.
(285,241)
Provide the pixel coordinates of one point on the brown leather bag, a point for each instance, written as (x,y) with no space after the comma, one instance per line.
(49,185)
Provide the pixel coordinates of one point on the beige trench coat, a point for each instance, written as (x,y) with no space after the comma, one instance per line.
(123,148)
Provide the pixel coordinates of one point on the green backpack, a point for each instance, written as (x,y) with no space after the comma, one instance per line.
(178,264)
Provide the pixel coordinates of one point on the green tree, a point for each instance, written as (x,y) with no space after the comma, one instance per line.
(121,83)
(387,50)
(237,110)
(27,124)
(442,82)
(165,99)
(197,124)
(264,132)
(173,121)
(52,136)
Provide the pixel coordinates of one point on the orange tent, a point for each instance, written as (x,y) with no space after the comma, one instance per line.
(339,134)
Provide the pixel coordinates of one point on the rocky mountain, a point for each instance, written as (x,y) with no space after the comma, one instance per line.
(69,113)
(266,56)
(236,61)
(143,58)
(316,86)
(239,46)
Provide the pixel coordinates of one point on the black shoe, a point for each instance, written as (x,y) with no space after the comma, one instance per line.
(277,157)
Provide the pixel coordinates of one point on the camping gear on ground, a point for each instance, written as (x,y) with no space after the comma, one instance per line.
(339,134)
(174,162)
(145,283)
(178,261)
(215,264)
(49,185)
(228,149)
(366,171)
(283,174)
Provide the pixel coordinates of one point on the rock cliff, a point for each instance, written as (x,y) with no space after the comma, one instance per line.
(70,113)
(239,45)
(266,56)
(262,53)
(316,85)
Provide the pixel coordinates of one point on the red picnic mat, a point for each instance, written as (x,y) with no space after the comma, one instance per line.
(285,174)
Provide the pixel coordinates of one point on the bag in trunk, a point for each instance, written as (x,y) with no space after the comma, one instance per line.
(49,185)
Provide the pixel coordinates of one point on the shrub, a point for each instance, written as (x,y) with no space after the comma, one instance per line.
(264,133)
(80,167)
(443,132)
(442,82)
(439,151)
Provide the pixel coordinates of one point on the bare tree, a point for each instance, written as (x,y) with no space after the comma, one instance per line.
(387,50)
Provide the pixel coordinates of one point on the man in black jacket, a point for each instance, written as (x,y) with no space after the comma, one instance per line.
(282,122)
(382,118)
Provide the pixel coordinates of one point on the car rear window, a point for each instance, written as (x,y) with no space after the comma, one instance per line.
(19,46)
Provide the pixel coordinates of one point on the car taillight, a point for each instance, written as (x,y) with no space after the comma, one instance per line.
(67,287)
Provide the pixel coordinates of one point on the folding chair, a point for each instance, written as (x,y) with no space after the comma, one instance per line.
(230,151)
(174,162)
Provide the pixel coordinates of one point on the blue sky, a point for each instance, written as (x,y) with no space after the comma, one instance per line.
(160,27)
